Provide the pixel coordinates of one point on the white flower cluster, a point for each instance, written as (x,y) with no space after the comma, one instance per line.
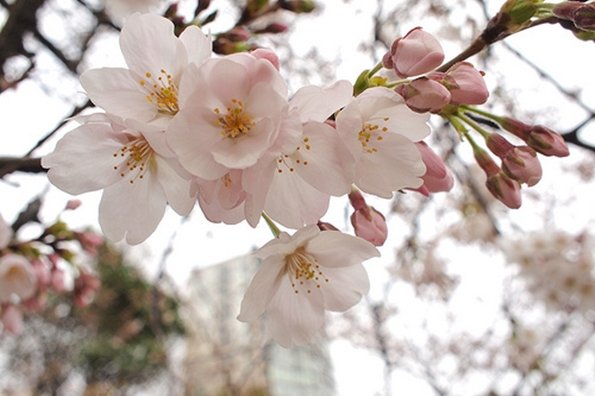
(557,267)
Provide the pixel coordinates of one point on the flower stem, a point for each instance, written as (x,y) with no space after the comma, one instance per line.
(375,70)
(474,125)
(272,226)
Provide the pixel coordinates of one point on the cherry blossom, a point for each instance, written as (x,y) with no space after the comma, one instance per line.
(232,119)
(301,277)
(152,89)
(17,277)
(132,163)
(380,130)
(5,233)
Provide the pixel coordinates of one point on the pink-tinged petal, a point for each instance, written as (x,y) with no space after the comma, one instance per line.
(216,214)
(177,188)
(132,211)
(334,249)
(324,161)
(192,139)
(83,159)
(263,101)
(230,192)
(294,319)
(118,91)
(317,104)
(197,44)
(227,81)
(261,70)
(17,277)
(292,202)
(244,151)
(345,287)
(149,45)
(263,286)
(12,320)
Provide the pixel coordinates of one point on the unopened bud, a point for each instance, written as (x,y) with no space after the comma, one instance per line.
(73,204)
(298,6)
(547,142)
(12,319)
(498,145)
(370,225)
(423,95)
(485,162)
(237,34)
(416,53)
(224,46)
(581,15)
(323,226)
(466,84)
(521,164)
(517,128)
(267,54)
(273,28)
(437,177)
(505,189)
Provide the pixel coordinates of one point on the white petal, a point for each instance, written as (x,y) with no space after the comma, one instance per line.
(292,202)
(324,162)
(177,188)
(317,104)
(132,211)
(118,91)
(345,287)
(262,287)
(294,319)
(5,233)
(148,44)
(335,249)
(198,45)
(83,159)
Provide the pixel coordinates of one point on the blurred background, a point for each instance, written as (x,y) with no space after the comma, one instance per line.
(468,298)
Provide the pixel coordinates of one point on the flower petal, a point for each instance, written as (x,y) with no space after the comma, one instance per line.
(118,91)
(294,318)
(197,44)
(83,159)
(345,287)
(263,286)
(132,211)
(317,104)
(335,249)
(149,45)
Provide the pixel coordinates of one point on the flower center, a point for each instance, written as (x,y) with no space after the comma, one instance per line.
(235,122)
(303,270)
(133,158)
(370,135)
(161,92)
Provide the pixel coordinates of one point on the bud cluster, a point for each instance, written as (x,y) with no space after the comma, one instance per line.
(418,53)
(31,270)
(519,164)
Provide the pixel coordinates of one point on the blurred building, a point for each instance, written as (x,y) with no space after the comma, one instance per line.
(228,357)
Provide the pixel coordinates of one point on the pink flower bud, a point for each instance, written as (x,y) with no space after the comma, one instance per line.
(498,144)
(370,225)
(416,53)
(423,95)
(486,162)
(581,15)
(547,142)
(505,189)
(36,303)
(323,226)
(466,84)
(58,283)
(273,28)
(521,164)
(12,320)
(367,222)
(266,54)
(42,273)
(517,128)
(73,204)
(89,241)
(437,178)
